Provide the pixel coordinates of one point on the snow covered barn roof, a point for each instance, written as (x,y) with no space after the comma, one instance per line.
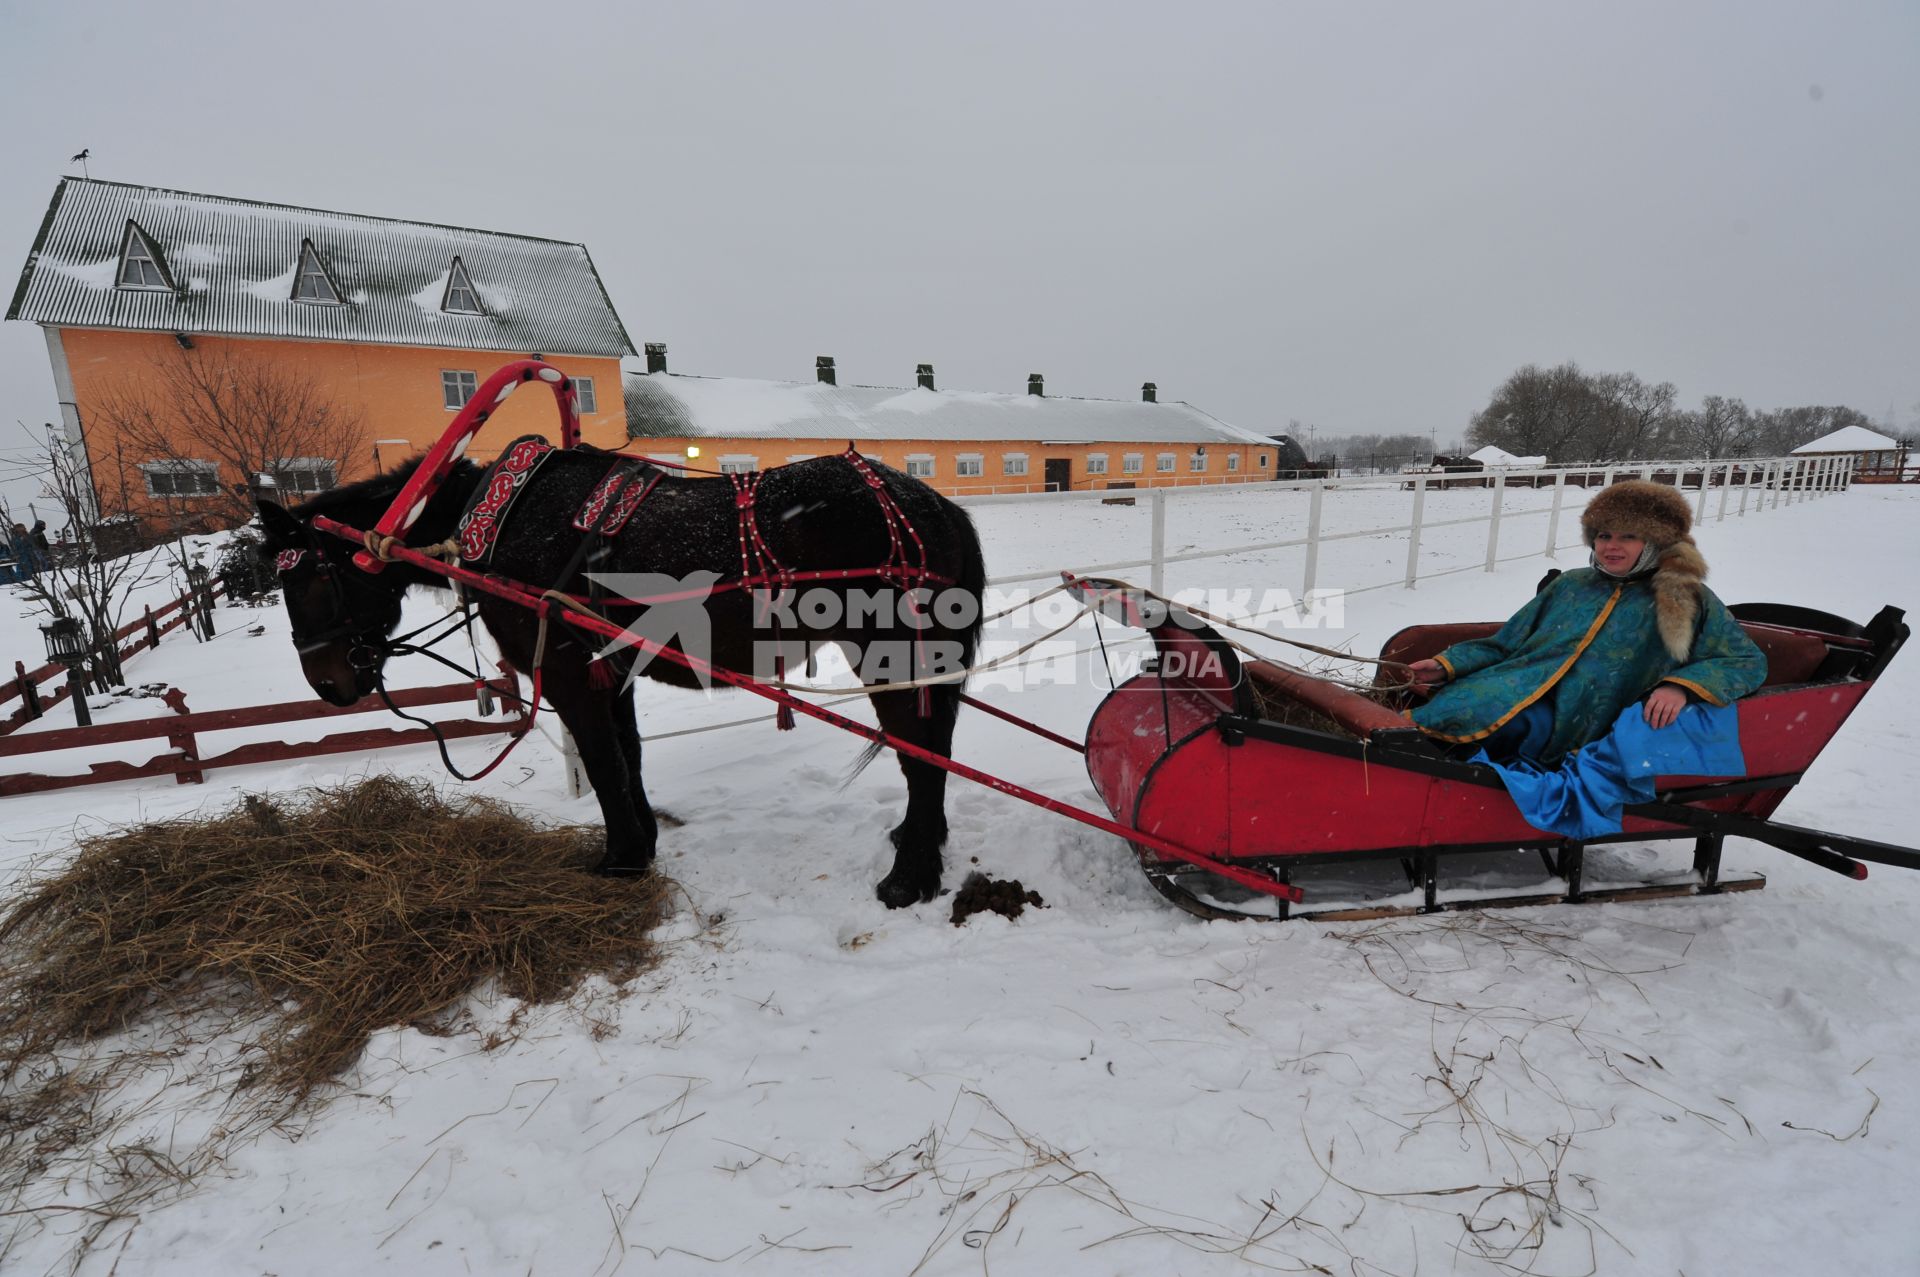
(1849,439)
(743,408)
(112,255)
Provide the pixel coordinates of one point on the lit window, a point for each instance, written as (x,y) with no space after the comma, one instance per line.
(1233,462)
(456,387)
(141,265)
(920,465)
(305,474)
(969,465)
(1132,463)
(312,283)
(1014,463)
(739,463)
(181,478)
(1197,462)
(461,297)
(1164,463)
(584,397)
(1096,463)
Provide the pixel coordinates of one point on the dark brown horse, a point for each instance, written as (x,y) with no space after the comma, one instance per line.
(815,516)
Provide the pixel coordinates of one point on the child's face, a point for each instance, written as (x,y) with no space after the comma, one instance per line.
(1617,551)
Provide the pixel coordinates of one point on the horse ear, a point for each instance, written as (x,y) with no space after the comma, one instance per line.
(277,523)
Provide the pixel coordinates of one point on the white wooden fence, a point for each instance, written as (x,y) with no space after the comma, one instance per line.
(1729,487)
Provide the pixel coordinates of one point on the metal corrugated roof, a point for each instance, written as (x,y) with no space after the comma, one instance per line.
(234,262)
(743,408)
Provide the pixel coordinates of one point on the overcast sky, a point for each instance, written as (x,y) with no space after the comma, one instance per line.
(1362,216)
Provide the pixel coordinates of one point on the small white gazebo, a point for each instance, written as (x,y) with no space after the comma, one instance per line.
(1492,456)
(1877,459)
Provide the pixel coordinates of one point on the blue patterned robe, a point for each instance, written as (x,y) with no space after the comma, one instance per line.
(1591,642)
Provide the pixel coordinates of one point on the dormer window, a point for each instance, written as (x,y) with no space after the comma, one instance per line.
(312,282)
(461,297)
(141,265)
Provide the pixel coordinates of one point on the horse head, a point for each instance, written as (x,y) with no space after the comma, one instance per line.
(341,616)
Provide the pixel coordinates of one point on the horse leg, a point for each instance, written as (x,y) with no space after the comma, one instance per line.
(590,715)
(626,726)
(920,835)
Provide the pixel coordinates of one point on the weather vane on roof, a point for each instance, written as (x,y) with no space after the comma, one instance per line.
(81,160)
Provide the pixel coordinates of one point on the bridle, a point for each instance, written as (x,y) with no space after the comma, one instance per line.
(370,644)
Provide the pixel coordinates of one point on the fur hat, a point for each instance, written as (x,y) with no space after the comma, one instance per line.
(1660,516)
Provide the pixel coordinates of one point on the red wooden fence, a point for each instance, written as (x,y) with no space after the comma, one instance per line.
(186,764)
(145,632)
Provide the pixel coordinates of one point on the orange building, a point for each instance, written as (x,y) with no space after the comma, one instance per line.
(960,442)
(387,326)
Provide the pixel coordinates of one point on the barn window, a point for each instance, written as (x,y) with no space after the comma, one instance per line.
(312,282)
(176,478)
(1164,463)
(461,296)
(584,398)
(969,465)
(305,474)
(1197,462)
(1263,461)
(457,386)
(1014,463)
(1096,463)
(1132,463)
(739,463)
(920,465)
(1233,462)
(141,265)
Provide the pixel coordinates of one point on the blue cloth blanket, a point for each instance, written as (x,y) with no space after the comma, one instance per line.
(1583,797)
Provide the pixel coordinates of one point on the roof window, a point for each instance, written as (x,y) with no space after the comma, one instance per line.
(313,282)
(141,265)
(461,297)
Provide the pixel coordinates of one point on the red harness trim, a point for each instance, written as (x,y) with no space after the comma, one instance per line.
(625,490)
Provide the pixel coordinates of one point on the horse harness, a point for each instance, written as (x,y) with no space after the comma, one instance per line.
(626,484)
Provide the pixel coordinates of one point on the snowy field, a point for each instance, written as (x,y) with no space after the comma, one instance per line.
(813,1084)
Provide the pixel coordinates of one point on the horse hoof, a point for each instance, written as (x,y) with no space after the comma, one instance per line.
(896,891)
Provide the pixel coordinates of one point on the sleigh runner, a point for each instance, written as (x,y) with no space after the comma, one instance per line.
(1228,778)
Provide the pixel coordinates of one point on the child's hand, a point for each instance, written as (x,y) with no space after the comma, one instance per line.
(1427,673)
(1664,705)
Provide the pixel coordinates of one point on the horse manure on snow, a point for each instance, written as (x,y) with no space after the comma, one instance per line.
(301,925)
(981,894)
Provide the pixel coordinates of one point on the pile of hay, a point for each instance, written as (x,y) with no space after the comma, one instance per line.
(298,927)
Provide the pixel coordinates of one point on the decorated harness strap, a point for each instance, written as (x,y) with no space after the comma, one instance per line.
(615,498)
(481,525)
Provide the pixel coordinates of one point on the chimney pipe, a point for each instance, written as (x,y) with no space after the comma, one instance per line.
(823,370)
(1036,384)
(656,356)
(924,375)
(1149,393)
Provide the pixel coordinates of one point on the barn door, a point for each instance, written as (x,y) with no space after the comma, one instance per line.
(1059,474)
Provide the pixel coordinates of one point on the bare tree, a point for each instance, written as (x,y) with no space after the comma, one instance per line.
(247,416)
(96,566)
(1719,427)
(1549,412)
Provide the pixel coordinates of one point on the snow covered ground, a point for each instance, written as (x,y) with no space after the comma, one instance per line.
(813,1084)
